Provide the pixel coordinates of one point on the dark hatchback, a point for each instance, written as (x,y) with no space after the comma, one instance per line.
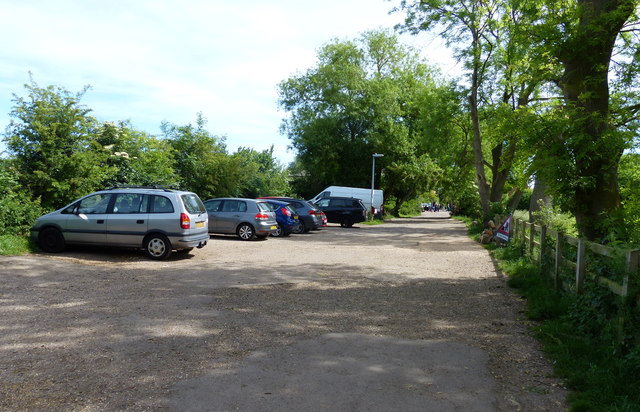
(344,210)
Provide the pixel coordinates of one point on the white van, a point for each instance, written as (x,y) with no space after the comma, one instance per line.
(363,194)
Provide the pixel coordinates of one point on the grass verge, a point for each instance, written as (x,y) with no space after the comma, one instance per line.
(11,245)
(581,334)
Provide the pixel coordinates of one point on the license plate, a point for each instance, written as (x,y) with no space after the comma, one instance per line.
(199,224)
(274,227)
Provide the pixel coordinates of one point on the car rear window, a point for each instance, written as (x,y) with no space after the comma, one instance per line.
(264,207)
(193,204)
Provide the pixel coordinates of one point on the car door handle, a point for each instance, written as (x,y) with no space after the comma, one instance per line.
(100,222)
(140,221)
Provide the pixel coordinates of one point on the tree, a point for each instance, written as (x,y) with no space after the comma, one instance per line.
(140,159)
(486,37)
(51,140)
(359,99)
(589,139)
(201,160)
(264,175)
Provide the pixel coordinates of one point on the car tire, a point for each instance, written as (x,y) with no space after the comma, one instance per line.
(157,246)
(51,240)
(300,228)
(279,231)
(346,222)
(245,231)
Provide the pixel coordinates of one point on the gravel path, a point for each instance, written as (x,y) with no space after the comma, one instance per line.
(109,330)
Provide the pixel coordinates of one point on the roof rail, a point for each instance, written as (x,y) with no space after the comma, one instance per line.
(159,187)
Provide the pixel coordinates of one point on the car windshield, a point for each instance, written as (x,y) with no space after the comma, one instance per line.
(193,204)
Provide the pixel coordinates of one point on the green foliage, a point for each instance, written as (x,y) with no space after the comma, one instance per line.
(581,333)
(629,179)
(361,98)
(265,176)
(51,140)
(410,208)
(17,210)
(554,218)
(201,160)
(138,158)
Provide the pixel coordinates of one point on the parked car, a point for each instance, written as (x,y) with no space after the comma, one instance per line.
(158,220)
(365,195)
(246,218)
(343,210)
(310,215)
(286,216)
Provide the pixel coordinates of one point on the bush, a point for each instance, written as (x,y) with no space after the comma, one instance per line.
(581,333)
(18,213)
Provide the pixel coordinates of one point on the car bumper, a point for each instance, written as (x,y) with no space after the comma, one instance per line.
(199,240)
(266,228)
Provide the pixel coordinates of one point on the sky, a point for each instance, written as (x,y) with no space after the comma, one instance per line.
(167,60)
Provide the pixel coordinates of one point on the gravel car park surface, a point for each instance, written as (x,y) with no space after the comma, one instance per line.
(410,311)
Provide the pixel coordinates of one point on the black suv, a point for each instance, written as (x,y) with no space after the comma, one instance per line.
(343,210)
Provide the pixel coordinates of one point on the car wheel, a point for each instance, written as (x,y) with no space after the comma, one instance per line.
(279,231)
(346,222)
(245,231)
(157,246)
(300,228)
(51,240)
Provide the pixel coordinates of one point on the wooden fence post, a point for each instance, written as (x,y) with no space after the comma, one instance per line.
(543,243)
(524,231)
(632,262)
(580,265)
(514,227)
(532,239)
(556,270)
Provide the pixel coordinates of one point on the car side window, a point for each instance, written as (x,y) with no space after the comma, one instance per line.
(230,206)
(242,206)
(213,206)
(94,204)
(337,203)
(323,202)
(128,203)
(161,204)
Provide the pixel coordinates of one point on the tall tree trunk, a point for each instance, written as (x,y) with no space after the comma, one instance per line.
(586,57)
(481,178)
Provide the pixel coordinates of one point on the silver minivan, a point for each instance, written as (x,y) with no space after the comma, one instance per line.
(246,218)
(158,220)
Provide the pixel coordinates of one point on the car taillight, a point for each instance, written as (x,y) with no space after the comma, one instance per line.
(262,216)
(185,221)
(312,212)
(286,212)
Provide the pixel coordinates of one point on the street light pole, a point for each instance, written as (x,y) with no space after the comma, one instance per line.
(373,174)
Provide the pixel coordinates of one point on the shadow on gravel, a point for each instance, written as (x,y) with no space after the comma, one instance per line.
(114,339)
